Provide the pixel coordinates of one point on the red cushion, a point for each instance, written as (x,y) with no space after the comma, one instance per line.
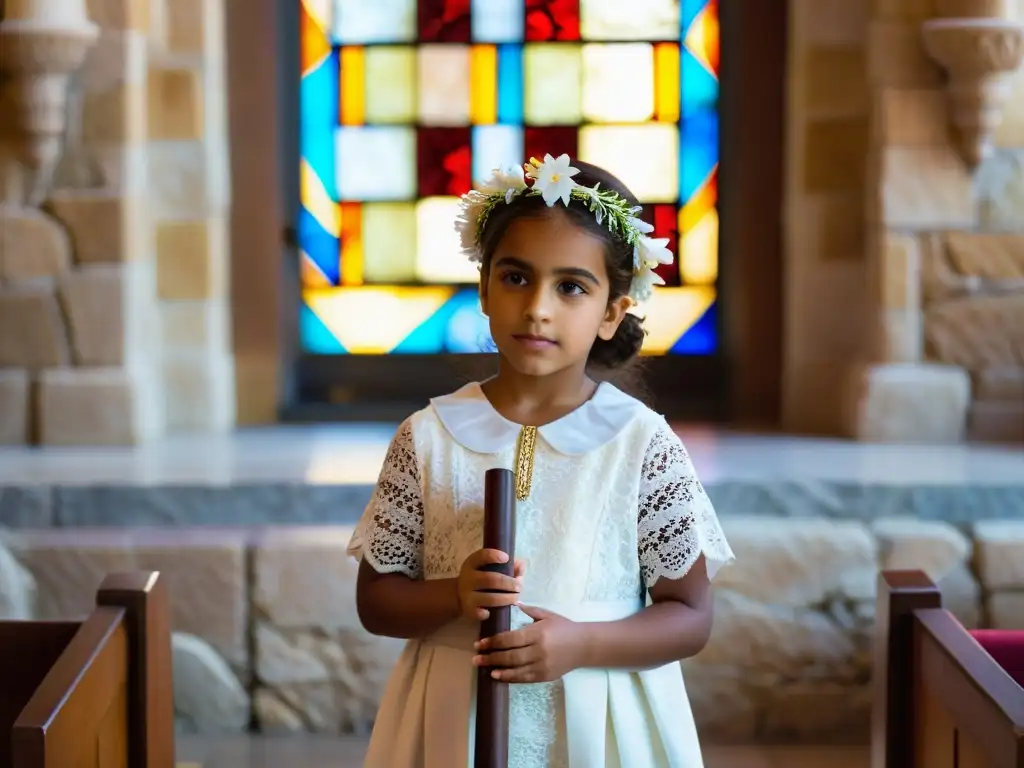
(1006,647)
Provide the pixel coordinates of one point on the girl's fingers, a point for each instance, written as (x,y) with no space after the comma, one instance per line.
(518,657)
(506,641)
(487,581)
(496,599)
(531,673)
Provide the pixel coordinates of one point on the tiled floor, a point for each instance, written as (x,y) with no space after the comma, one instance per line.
(318,752)
(352,454)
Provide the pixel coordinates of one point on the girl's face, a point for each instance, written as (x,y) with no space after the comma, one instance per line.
(546,295)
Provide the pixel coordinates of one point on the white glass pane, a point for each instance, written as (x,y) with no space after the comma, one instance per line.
(374,21)
(377,163)
(444,75)
(618,82)
(645,157)
(629,19)
(495,146)
(390,84)
(552,77)
(389,231)
(439,257)
(497,21)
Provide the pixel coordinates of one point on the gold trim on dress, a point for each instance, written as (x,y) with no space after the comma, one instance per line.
(524,461)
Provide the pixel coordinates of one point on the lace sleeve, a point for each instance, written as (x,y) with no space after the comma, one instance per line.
(390,534)
(676,520)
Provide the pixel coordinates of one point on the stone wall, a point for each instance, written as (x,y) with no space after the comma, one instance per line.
(266,624)
(905,262)
(114,314)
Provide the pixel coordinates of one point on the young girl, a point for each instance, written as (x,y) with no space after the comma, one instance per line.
(608,506)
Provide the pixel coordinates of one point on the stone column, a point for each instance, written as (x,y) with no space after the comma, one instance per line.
(925,202)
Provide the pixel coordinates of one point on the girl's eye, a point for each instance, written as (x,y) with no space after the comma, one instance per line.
(513,278)
(572,289)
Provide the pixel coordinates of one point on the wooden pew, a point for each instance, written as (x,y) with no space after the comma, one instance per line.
(91,694)
(941,700)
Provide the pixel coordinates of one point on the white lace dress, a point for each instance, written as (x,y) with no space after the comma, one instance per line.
(614,506)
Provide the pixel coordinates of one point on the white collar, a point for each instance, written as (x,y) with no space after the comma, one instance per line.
(470,418)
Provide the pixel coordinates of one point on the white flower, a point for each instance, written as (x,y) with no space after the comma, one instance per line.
(640,225)
(652,250)
(466,223)
(553,179)
(642,287)
(504,181)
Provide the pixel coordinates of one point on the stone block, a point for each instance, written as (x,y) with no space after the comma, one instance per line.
(117,58)
(110,312)
(1006,610)
(997,422)
(1010,132)
(17,588)
(993,256)
(834,153)
(900,271)
(896,56)
(208,696)
(98,406)
(192,260)
(976,332)
(175,103)
(120,14)
(1000,384)
(908,403)
(189,180)
(903,10)
(104,226)
(199,390)
(911,117)
(899,336)
(32,332)
(828,22)
(124,171)
(195,326)
(256,389)
(115,115)
(834,81)
(1000,182)
(32,245)
(924,188)
(196,27)
(999,552)
(15,406)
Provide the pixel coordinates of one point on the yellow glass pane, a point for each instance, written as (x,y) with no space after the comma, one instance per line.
(483,97)
(439,257)
(618,82)
(698,251)
(552,76)
(666,82)
(629,19)
(389,229)
(645,157)
(670,313)
(390,84)
(377,163)
(444,84)
(374,21)
(375,320)
(353,85)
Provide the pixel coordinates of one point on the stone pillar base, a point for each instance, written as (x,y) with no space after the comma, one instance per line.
(908,403)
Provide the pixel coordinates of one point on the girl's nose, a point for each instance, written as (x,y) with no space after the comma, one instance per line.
(538,305)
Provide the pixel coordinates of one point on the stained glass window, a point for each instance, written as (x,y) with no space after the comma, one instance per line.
(406,103)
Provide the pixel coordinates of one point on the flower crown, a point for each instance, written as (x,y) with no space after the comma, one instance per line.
(552,180)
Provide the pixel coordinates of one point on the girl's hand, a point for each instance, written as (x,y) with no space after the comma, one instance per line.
(480,590)
(538,653)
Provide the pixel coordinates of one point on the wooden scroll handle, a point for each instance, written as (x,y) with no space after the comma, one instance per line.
(492,708)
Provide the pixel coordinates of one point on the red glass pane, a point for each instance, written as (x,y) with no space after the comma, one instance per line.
(553,20)
(665,219)
(443,161)
(554,141)
(443,21)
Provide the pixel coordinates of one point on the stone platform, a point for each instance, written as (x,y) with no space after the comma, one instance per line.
(250,531)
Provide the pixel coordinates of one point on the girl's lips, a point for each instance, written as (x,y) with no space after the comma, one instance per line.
(534,342)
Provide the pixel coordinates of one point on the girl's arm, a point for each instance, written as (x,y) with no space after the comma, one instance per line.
(393,605)
(676,626)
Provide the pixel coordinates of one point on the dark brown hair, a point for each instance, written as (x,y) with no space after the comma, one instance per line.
(624,347)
